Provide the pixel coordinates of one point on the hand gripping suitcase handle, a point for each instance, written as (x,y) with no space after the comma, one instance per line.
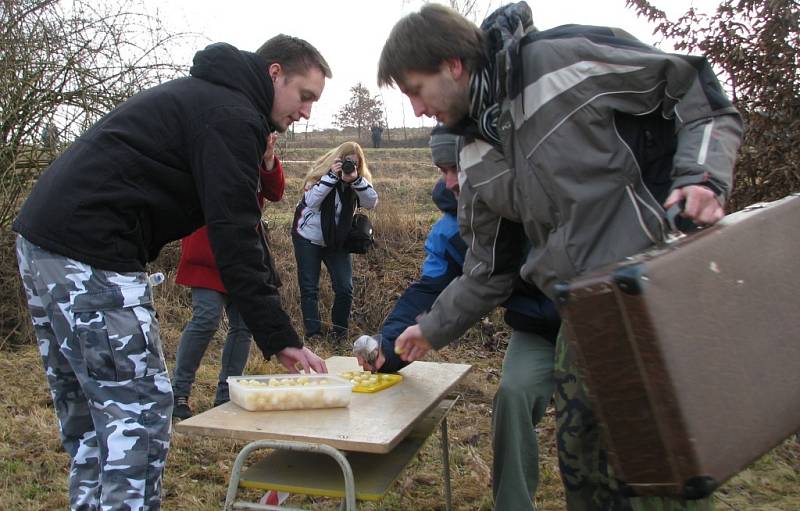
(672,216)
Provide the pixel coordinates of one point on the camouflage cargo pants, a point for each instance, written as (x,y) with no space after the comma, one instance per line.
(589,482)
(99,341)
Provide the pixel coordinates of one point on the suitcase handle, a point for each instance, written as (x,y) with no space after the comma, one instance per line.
(672,215)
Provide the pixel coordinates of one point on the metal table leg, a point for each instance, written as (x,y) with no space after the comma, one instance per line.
(349,502)
(448,503)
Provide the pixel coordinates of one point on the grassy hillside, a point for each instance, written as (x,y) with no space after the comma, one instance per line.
(33,467)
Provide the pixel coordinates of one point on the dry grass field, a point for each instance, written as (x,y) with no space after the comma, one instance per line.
(33,467)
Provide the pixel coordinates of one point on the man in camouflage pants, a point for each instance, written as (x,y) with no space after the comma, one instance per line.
(158,167)
(106,372)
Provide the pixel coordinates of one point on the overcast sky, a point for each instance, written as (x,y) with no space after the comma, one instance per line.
(351,33)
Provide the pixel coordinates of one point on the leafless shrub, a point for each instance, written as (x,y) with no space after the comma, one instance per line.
(755,43)
(62,66)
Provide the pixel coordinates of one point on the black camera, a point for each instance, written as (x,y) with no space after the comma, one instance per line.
(348,167)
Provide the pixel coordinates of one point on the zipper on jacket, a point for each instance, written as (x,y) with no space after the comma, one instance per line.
(634,198)
(659,214)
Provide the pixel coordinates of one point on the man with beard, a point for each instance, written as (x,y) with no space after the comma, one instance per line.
(582,136)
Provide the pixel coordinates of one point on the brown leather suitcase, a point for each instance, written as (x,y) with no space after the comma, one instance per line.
(691,352)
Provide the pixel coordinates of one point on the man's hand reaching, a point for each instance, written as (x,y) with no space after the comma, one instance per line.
(412,345)
(292,357)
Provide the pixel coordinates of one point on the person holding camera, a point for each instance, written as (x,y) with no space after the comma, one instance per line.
(337,184)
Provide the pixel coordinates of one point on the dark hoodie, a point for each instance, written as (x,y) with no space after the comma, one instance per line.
(163,163)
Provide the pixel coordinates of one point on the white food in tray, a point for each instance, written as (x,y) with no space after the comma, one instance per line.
(289,392)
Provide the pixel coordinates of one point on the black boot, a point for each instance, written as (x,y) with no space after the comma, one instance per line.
(180,409)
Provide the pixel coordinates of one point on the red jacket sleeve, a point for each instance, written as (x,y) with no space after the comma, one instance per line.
(197,266)
(273,182)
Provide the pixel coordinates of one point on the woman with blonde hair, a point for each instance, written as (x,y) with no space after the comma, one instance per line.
(337,184)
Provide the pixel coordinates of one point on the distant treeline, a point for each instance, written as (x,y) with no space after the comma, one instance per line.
(391,137)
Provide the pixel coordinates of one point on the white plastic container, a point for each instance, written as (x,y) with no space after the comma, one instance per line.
(289,391)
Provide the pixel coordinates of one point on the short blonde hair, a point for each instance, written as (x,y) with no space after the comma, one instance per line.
(321,166)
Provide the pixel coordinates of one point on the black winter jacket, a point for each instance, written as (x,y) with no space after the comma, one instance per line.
(163,163)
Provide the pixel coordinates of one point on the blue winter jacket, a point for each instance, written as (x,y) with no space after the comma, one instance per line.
(527,309)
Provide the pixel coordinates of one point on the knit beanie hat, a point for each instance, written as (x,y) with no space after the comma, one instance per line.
(444,146)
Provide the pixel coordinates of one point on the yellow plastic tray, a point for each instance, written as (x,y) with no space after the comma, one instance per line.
(365,381)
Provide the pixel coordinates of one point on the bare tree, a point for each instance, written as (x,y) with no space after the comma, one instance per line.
(756,43)
(361,111)
(63,64)
(471,9)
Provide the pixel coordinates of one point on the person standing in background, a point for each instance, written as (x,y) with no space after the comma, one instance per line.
(50,138)
(377,132)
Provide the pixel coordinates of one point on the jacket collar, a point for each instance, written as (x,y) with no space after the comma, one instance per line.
(503,29)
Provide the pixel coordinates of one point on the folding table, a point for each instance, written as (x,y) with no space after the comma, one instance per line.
(355,453)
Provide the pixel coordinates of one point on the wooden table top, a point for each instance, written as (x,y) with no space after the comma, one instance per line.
(372,423)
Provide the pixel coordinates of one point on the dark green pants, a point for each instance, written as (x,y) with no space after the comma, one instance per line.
(589,482)
(525,389)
